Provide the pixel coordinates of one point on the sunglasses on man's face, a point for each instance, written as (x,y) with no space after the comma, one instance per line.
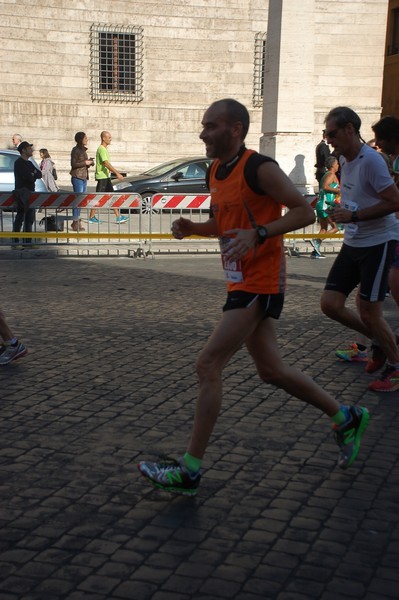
(333,133)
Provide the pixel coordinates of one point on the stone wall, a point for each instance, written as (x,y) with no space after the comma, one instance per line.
(194,52)
(325,55)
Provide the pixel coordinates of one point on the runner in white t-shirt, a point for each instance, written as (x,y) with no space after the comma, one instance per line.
(369,199)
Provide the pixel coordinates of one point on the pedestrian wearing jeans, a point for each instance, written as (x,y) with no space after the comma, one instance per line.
(103,170)
(247,191)
(11,348)
(369,199)
(80,163)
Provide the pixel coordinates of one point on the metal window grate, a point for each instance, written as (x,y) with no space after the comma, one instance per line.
(259,68)
(116,63)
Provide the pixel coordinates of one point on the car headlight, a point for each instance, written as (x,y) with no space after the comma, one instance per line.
(121,186)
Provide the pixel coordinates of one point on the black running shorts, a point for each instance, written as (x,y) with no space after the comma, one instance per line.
(368,266)
(272,304)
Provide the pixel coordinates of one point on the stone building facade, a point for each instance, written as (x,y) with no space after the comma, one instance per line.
(146,70)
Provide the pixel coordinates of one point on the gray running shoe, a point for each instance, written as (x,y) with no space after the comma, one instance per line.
(9,352)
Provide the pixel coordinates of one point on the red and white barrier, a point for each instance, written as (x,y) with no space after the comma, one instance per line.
(72,200)
(176,201)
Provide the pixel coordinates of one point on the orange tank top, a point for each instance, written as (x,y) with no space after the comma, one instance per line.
(236,206)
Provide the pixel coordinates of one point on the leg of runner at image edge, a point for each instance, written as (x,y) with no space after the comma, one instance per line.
(11,349)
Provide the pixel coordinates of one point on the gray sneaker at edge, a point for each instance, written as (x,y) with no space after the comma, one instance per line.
(9,352)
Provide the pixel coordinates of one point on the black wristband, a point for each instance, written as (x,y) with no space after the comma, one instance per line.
(355,217)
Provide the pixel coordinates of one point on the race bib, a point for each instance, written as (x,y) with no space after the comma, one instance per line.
(350,228)
(232,268)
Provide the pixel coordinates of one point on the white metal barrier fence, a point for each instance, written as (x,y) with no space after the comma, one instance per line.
(166,208)
(145,229)
(117,219)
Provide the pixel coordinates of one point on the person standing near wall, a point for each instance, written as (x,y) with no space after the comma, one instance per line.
(16,140)
(103,178)
(47,167)
(322,153)
(80,163)
(25,175)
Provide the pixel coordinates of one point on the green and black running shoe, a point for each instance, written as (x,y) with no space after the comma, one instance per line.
(348,435)
(171,476)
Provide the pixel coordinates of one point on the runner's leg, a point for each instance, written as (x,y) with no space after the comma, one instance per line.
(226,339)
(333,306)
(263,347)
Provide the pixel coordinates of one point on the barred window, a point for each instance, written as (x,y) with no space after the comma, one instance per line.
(393,40)
(259,68)
(116,63)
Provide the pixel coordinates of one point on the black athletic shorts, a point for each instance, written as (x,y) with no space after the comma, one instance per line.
(368,266)
(272,304)
(104,185)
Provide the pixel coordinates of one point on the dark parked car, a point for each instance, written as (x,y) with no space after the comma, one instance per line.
(179,176)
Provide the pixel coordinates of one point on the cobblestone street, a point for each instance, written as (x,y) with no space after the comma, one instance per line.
(109,380)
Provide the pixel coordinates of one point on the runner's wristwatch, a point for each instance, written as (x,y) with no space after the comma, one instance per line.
(262,234)
(355,217)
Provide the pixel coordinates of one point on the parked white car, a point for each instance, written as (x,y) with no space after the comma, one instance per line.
(7,160)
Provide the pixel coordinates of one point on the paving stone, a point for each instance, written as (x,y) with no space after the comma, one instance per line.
(17,585)
(347,586)
(134,589)
(99,584)
(220,588)
(169,596)
(262,587)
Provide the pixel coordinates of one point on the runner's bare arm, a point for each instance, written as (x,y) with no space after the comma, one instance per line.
(389,204)
(182,228)
(275,183)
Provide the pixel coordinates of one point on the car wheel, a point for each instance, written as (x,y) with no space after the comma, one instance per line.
(146,204)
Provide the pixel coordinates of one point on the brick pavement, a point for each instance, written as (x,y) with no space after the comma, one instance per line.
(109,379)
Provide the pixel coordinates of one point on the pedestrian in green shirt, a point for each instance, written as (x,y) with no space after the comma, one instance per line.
(103,178)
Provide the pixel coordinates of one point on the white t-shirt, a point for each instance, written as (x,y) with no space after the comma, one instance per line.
(362,179)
